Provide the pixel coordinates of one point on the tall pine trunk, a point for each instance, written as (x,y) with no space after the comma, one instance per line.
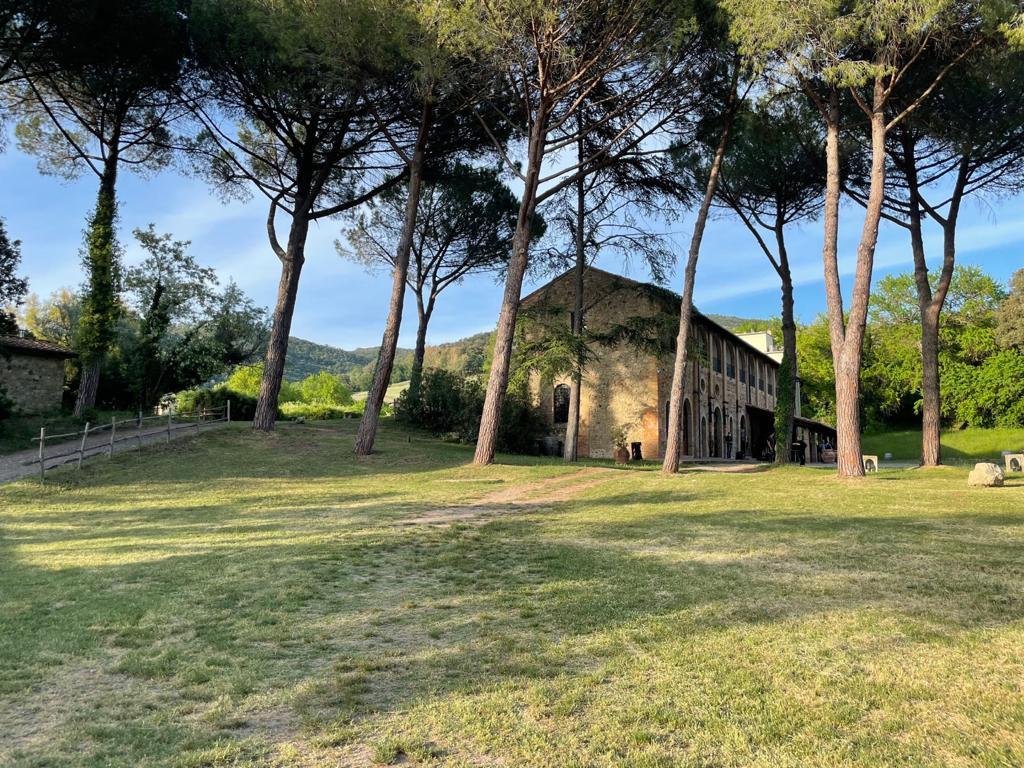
(389,344)
(284,308)
(497,382)
(100,305)
(423,312)
(572,427)
(673,442)
(785,387)
(848,335)
(929,302)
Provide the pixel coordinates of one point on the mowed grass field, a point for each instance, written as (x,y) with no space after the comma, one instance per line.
(250,600)
(963,447)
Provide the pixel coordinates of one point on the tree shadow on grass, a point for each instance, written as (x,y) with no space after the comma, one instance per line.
(342,617)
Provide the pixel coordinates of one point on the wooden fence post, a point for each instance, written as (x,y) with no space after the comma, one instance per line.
(113,429)
(138,433)
(81,448)
(42,455)
(229,412)
(168,427)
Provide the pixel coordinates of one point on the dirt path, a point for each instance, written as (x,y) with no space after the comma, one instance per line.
(518,498)
(14,466)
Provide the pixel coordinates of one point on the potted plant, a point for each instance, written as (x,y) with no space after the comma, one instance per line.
(620,439)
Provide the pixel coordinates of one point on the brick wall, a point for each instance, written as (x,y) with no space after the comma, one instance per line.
(35,383)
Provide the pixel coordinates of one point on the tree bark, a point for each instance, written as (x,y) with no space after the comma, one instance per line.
(389,344)
(280,331)
(786,386)
(423,313)
(572,427)
(97,324)
(930,303)
(497,382)
(848,335)
(673,442)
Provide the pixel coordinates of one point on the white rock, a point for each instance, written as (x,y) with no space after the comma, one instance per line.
(986,475)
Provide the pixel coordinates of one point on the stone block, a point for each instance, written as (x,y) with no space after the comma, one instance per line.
(985,475)
(1013,462)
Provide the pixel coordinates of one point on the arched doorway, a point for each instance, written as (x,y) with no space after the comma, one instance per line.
(716,428)
(743,434)
(687,435)
(702,448)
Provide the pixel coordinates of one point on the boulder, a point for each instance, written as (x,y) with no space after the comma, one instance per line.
(986,475)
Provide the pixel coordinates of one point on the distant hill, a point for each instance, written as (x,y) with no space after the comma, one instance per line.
(308,357)
(463,356)
(356,365)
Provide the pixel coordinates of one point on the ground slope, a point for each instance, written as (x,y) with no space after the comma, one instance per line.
(265,600)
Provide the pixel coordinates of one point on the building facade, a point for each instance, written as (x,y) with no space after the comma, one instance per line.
(32,373)
(729,385)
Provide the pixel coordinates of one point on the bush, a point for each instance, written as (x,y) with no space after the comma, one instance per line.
(324,388)
(243,407)
(451,405)
(320,411)
(245,380)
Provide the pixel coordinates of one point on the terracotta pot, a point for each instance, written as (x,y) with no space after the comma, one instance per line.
(622,455)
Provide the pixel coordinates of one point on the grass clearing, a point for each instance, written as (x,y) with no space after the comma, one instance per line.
(390,394)
(964,446)
(265,601)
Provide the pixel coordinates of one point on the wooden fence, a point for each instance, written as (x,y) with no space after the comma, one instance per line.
(99,439)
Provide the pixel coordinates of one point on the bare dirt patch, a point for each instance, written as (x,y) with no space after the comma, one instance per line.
(518,498)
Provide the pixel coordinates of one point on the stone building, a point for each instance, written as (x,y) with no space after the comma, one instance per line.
(32,372)
(730,382)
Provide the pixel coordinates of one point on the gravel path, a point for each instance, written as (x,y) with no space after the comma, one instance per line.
(14,466)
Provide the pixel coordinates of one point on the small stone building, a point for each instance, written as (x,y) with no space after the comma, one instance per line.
(32,372)
(729,386)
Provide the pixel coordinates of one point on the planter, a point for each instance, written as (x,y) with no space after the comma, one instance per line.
(622,455)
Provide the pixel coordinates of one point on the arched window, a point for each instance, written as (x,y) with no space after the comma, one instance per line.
(717,353)
(560,404)
(743,368)
(730,363)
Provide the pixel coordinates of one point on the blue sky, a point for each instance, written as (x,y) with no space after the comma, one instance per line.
(340,304)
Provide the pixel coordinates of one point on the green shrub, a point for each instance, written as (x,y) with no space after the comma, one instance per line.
(320,411)
(243,407)
(325,388)
(451,405)
(245,380)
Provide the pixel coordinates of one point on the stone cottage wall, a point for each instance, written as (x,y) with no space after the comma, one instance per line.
(35,383)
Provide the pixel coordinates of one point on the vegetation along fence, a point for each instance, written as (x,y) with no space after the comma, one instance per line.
(95,440)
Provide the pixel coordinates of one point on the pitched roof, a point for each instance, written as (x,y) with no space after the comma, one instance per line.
(35,346)
(664,294)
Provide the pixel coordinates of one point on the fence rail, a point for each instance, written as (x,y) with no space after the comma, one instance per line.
(95,440)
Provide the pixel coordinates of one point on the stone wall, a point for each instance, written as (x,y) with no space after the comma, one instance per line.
(34,382)
(627,386)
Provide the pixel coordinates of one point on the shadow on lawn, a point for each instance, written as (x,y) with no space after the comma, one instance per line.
(346,618)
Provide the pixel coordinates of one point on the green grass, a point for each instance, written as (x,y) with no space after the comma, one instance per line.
(16,432)
(251,600)
(965,446)
(390,395)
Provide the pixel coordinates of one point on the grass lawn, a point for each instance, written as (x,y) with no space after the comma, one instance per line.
(965,446)
(390,394)
(272,601)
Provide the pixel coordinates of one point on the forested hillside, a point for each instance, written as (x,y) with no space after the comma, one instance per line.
(356,365)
